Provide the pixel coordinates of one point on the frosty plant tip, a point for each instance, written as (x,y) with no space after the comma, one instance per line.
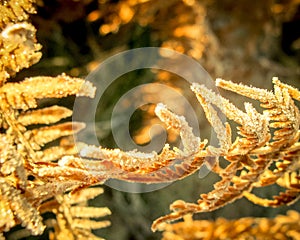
(132,167)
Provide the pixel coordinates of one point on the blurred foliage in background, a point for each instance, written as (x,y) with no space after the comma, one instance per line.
(243,41)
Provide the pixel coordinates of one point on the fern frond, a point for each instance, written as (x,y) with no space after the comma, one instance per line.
(23,140)
(38,137)
(23,95)
(55,153)
(17,210)
(252,154)
(280,227)
(145,167)
(18,45)
(290,180)
(14,11)
(286,198)
(280,109)
(23,147)
(45,115)
(73,216)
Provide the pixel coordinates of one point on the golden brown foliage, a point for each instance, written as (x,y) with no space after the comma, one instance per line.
(281,227)
(72,217)
(15,11)
(39,161)
(258,157)
(26,131)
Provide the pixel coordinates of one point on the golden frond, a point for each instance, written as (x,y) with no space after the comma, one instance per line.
(252,155)
(148,167)
(73,216)
(15,209)
(40,136)
(23,95)
(26,129)
(290,181)
(280,227)
(45,115)
(18,48)
(23,152)
(66,147)
(15,11)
